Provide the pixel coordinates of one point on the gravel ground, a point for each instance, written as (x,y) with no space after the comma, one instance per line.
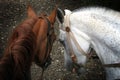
(12,12)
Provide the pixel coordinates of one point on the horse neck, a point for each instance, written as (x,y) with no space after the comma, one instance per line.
(6,68)
(26,25)
(10,70)
(106,56)
(19,52)
(89,23)
(88,20)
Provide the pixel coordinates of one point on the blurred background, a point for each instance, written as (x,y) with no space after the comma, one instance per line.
(13,12)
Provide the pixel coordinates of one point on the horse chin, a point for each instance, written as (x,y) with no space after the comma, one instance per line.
(75,69)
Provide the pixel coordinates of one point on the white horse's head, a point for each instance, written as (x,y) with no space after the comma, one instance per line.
(84,44)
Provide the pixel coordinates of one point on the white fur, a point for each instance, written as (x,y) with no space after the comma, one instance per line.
(100,28)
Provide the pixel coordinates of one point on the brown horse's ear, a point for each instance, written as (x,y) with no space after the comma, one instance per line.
(52,16)
(30,12)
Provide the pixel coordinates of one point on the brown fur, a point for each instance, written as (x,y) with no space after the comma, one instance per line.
(16,61)
(27,41)
(44,39)
(40,30)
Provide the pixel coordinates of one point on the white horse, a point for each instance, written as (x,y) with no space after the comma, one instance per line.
(87,28)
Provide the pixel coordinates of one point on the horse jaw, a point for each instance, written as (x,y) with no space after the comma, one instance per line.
(103,52)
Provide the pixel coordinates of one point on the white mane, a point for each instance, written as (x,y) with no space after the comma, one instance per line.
(99,10)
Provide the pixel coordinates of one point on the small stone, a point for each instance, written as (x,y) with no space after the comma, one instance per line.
(57,60)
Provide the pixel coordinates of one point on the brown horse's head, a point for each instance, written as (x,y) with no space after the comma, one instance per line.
(45,36)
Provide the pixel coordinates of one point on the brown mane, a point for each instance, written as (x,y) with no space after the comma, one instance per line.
(16,61)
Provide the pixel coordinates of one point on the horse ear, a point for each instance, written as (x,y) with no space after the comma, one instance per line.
(30,12)
(60,15)
(52,16)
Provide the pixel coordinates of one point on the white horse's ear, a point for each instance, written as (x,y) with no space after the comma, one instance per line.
(60,15)
(67,11)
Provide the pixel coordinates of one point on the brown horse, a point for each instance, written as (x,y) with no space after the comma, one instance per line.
(16,61)
(45,37)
